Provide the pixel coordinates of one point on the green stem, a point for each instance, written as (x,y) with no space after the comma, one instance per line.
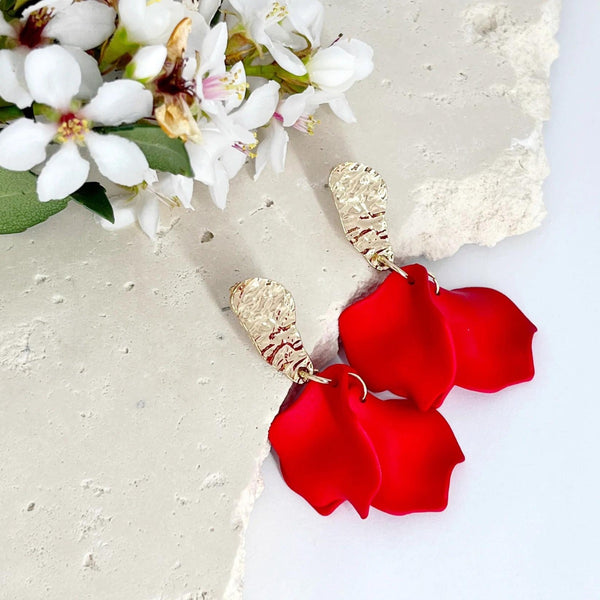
(9,113)
(293,84)
(266,71)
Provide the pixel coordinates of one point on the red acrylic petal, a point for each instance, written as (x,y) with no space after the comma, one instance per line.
(398,340)
(417,452)
(325,455)
(492,338)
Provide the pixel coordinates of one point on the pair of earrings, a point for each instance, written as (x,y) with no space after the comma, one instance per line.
(337,441)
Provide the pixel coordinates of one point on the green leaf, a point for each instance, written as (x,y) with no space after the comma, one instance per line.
(93,196)
(6,7)
(162,152)
(20,4)
(19,204)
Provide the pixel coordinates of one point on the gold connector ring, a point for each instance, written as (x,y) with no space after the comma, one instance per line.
(433,279)
(386,262)
(364,385)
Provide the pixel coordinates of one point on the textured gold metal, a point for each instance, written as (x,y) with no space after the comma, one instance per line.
(360,196)
(268,313)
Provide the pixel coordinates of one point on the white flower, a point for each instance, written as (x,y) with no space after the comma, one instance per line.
(261,19)
(207,8)
(305,17)
(147,62)
(150,22)
(12,77)
(294,111)
(53,77)
(227,142)
(142,203)
(84,23)
(77,25)
(337,68)
(214,84)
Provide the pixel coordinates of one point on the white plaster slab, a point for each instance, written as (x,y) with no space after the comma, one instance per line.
(134,410)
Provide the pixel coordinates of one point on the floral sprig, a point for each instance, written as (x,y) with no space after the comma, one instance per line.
(121,104)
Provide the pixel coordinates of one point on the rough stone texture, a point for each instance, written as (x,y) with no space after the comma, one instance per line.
(134,408)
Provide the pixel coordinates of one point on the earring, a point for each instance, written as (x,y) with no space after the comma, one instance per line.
(410,336)
(337,442)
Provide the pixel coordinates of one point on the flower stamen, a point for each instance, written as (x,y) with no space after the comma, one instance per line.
(221,87)
(72,129)
(31,35)
(247,149)
(277,13)
(306,124)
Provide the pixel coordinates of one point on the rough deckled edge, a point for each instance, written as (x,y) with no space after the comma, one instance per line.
(240,518)
(513,182)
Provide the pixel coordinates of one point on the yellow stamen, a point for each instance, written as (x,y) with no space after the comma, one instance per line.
(72,130)
(231,82)
(311,123)
(278,12)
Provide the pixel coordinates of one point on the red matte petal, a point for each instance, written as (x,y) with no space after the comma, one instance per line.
(398,340)
(325,455)
(417,452)
(492,338)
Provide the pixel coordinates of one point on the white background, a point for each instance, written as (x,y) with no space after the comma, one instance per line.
(523,520)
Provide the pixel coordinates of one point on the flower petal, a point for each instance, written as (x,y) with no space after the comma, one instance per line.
(12,78)
(208,8)
(118,159)
(259,107)
(5,28)
(131,12)
(237,75)
(64,173)
(492,338)
(124,211)
(118,102)
(212,55)
(363,55)
(332,69)
(150,23)
(341,109)
(416,450)
(176,187)
(23,144)
(294,106)
(398,340)
(91,79)
(219,189)
(306,18)
(53,76)
(147,214)
(272,149)
(202,163)
(148,61)
(84,24)
(233,160)
(324,453)
(285,58)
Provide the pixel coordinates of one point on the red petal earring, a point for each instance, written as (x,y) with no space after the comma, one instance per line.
(410,336)
(337,442)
